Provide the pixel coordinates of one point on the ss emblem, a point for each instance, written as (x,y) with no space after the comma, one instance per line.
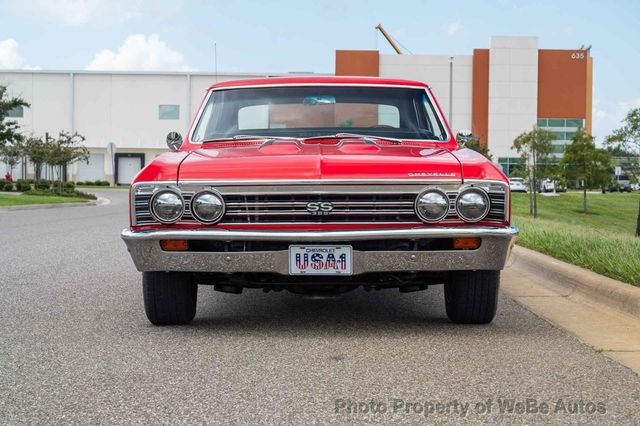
(319,208)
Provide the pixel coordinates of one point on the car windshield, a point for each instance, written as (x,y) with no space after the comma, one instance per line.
(302,112)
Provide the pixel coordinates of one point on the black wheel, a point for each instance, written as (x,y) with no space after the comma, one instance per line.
(471,297)
(169,297)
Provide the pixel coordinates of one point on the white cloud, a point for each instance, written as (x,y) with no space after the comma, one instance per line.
(625,106)
(608,117)
(10,57)
(140,52)
(80,12)
(454,28)
(9,54)
(597,112)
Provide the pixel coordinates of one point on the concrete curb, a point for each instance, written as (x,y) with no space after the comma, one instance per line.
(99,202)
(571,279)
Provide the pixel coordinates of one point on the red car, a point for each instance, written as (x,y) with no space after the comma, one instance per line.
(318,186)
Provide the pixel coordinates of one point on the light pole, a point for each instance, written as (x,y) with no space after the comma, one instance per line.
(215,60)
(451,91)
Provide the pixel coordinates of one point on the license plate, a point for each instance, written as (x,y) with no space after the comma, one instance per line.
(320,260)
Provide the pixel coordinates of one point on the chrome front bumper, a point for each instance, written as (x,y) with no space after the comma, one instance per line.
(493,253)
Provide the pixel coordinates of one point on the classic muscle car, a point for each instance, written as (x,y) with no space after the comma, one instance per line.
(319,186)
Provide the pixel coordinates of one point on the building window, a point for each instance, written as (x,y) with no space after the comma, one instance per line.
(169,112)
(556,122)
(575,122)
(508,164)
(17,112)
(563,130)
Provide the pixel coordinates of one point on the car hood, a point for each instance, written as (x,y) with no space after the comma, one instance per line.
(285,160)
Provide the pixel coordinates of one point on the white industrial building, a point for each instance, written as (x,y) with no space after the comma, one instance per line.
(134,110)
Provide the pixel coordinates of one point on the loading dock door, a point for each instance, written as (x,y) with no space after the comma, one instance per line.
(92,171)
(127,167)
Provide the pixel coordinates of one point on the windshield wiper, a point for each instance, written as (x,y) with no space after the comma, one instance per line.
(249,137)
(366,138)
(267,140)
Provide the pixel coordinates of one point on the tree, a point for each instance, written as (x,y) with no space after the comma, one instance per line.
(475,144)
(584,162)
(36,151)
(66,149)
(617,151)
(11,153)
(627,139)
(534,148)
(638,222)
(9,128)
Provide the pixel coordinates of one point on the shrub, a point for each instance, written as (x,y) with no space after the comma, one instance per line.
(6,185)
(93,183)
(23,186)
(43,184)
(81,194)
(39,192)
(49,192)
(69,187)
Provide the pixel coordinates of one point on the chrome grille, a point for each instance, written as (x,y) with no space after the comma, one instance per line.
(293,208)
(272,206)
(142,209)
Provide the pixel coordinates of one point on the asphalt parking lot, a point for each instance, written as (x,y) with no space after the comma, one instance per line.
(75,347)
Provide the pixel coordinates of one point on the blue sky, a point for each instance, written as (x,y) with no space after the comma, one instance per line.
(282,36)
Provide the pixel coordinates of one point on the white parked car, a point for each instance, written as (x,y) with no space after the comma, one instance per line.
(517,185)
(547,185)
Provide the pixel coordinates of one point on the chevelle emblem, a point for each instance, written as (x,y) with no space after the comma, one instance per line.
(440,174)
(319,208)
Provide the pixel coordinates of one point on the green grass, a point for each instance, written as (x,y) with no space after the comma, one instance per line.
(603,241)
(20,200)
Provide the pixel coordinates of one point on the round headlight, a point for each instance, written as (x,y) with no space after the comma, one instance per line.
(167,206)
(207,207)
(432,205)
(472,204)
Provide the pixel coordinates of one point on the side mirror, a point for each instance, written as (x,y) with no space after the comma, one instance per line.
(174,141)
(463,136)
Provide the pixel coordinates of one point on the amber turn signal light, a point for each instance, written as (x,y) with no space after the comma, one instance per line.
(466,243)
(174,245)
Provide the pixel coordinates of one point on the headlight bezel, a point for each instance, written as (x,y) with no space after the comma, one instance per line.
(422,194)
(155,215)
(215,194)
(482,193)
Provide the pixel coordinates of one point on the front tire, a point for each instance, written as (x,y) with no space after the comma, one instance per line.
(169,297)
(471,297)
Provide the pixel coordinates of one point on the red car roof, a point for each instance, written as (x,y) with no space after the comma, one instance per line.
(318,80)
